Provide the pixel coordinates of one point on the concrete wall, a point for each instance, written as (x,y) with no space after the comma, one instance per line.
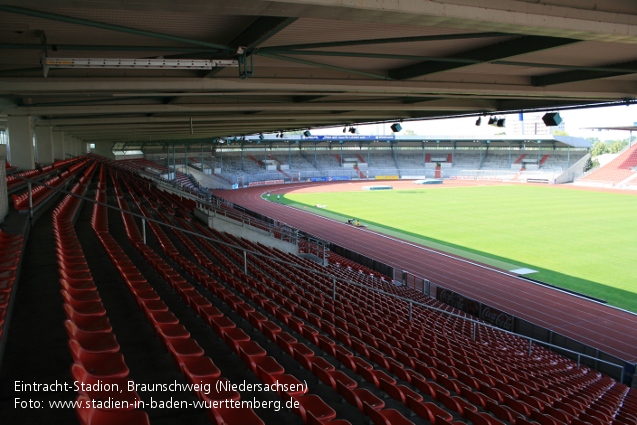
(574,171)
(103,149)
(207,181)
(225,224)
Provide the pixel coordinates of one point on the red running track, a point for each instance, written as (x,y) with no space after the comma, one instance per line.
(609,329)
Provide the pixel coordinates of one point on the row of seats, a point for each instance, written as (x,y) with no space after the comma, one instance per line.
(40,193)
(497,381)
(380,379)
(13,181)
(92,343)
(198,255)
(310,407)
(187,354)
(10,252)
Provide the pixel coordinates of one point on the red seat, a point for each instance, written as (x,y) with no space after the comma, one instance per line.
(331,377)
(520,406)
(183,347)
(105,365)
(96,342)
(502,412)
(483,419)
(385,416)
(302,354)
(427,411)
(327,345)
(234,337)
(172,330)
(270,330)
(81,294)
(285,385)
(401,393)
(286,342)
(249,351)
(267,366)
(345,356)
(359,396)
(315,404)
(163,317)
(85,308)
(476,397)
(457,404)
(375,376)
(198,367)
(545,419)
(88,323)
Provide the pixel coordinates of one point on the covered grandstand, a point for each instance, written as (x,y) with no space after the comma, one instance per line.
(252,160)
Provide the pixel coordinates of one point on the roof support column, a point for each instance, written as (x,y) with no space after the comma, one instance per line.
(44,144)
(21,142)
(58,145)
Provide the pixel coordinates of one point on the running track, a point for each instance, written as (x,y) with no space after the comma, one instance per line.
(610,330)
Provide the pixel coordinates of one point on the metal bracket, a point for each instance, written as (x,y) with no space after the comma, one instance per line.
(246,65)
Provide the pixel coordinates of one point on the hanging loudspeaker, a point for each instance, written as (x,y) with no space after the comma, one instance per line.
(552,119)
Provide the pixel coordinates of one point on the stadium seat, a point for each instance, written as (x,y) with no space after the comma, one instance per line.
(385,416)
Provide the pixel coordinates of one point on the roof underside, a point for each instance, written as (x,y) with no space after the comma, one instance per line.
(306,64)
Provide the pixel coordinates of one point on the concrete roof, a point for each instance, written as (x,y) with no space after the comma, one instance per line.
(307,63)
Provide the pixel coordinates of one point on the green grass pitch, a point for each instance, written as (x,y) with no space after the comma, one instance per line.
(580,240)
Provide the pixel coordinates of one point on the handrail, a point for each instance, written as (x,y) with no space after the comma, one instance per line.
(331,276)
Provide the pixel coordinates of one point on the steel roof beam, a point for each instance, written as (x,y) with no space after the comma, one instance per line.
(256,33)
(493,52)
(113,27)
(375,41)
(613,70)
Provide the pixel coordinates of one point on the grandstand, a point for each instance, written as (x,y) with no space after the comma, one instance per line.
(137,286)
(620,172)
(254,161)
(190,304)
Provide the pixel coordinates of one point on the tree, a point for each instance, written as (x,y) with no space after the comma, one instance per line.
(590,164)
(599,148)
(559,133)
(617,146)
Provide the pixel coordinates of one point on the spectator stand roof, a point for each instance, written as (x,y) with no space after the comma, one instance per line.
(278,65)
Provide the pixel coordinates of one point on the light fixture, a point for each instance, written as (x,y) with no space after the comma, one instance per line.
(307,133)
(352,130)
(396,128)
(479,121)
(261,136)
(345,129)
(493,121)
(501,122)
(103,63)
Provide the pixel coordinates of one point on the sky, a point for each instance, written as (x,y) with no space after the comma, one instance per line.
(577,123)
